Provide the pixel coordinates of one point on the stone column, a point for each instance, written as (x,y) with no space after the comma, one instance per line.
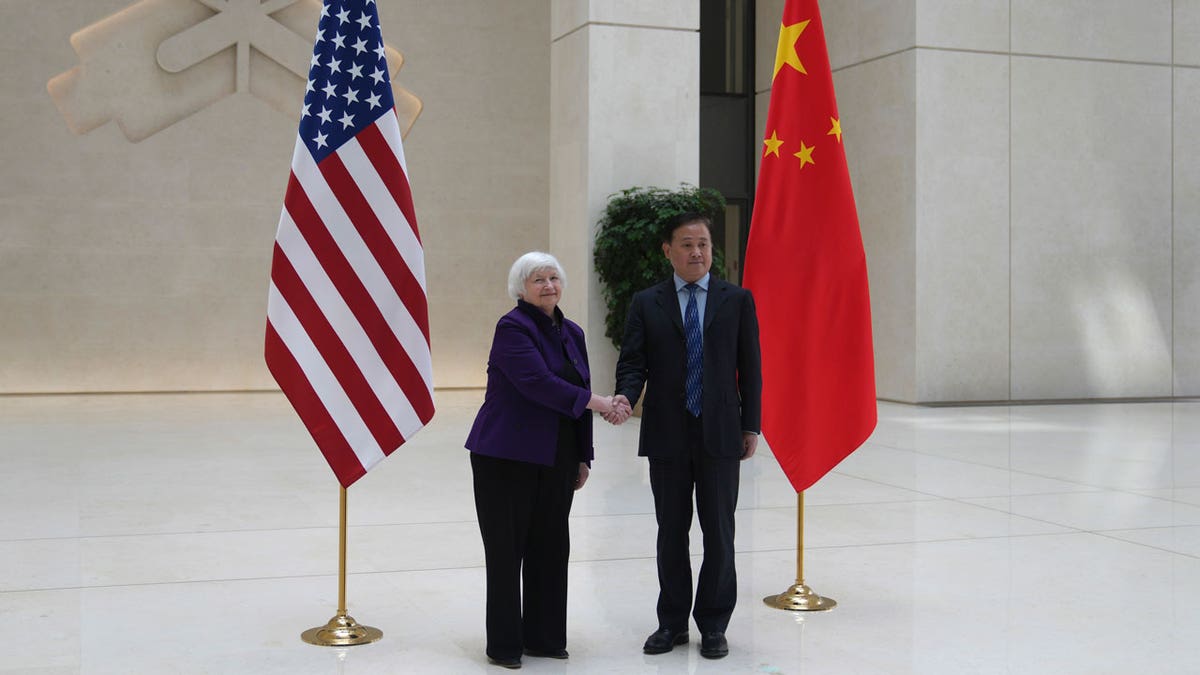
(624,100)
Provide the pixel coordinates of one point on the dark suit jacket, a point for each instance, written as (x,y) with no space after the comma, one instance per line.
(525,397)
(654,353)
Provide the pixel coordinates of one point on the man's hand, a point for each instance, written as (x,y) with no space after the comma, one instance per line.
(621,410)
(749,445)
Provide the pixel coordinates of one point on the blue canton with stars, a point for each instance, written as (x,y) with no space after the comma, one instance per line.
(348,84)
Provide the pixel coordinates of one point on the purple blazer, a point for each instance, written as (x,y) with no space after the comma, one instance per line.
(525,398)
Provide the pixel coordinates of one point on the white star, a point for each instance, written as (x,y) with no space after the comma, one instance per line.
(347,120)
(320,35)
(343,16)
(373,99)
(381,51)
(360,46)
(340,41)
(335,66)
(364,21)
(324,115)
(311,86)
(305,112)
(320,140)
(378,76)
(330,89)
(370,2)
(351,96)
(324,10)
(316,60)
(355,71)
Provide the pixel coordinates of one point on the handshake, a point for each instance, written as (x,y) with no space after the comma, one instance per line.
(615,409)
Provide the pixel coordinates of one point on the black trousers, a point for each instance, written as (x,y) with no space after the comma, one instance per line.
(522,510)
(714,481)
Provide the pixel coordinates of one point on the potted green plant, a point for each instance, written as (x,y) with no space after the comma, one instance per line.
(628,252)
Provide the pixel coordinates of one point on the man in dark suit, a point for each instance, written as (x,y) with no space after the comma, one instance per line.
(692,340)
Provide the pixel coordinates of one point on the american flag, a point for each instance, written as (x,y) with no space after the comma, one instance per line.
(347,322)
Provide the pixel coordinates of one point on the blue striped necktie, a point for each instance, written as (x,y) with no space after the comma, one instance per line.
(695,360)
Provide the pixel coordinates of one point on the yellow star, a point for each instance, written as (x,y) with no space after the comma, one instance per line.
(785,51)
(805,154)
(772,144)
(836,130)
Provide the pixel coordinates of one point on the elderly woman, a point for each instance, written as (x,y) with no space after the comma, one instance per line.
(531,446)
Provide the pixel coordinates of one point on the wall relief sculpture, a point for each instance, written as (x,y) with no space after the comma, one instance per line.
(157,62)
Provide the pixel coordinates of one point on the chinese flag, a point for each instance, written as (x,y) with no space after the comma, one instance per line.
(806,267)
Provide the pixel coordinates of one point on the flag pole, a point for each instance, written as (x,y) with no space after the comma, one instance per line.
(342,630)
(800,598)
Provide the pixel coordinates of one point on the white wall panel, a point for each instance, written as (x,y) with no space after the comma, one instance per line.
(1091,251)
(1125,30)
(962,216)
(1186,240)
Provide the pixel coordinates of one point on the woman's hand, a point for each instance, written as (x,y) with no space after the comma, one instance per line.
(601,404)
(583,475)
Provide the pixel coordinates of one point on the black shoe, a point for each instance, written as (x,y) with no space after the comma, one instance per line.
(664,640)
(512,662)
(547,653)
(713,645)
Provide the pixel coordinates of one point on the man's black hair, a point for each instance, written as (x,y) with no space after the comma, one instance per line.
(682,219)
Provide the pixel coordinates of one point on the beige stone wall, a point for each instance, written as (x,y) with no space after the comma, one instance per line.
(129,266)
(1026,177)
(1025,173)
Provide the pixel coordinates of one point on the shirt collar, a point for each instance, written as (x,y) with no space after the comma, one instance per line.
(702,282)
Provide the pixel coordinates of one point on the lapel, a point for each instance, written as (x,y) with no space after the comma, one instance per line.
(668,302)
(718,292)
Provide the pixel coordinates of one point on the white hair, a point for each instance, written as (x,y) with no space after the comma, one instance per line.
(526,265)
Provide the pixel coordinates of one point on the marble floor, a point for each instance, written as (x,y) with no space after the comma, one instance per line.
(198,534)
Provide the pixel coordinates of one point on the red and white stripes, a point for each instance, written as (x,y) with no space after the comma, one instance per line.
(348,326)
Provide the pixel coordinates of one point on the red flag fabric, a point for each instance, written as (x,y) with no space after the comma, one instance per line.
(806,267)
(347,322)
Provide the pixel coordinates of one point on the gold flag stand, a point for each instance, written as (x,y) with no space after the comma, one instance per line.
(800,598)
(342,630)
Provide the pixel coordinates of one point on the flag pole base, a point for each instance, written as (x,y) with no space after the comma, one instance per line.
(800,598)
(341,631)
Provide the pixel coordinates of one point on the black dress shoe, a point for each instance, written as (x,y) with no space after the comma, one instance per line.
(713,645)
(664,640)
(512,662)
(547,653)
